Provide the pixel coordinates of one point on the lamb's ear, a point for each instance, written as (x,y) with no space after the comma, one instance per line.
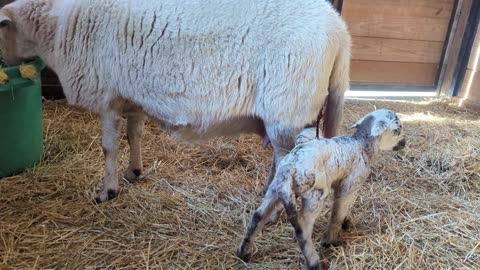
(4,20)
(358,123)
(378,128)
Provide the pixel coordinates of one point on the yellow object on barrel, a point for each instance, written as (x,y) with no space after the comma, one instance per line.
(3,77)
(28,72)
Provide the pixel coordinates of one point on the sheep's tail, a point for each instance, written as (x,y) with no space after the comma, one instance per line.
(339,83)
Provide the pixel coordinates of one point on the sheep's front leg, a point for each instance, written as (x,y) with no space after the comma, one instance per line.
(257,222)
(110,133)
(303,225)
(135,124)
(338,220)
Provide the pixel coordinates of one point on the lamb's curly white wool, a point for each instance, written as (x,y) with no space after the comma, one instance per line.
(318,166)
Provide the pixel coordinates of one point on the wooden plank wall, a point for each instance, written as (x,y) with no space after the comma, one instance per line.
(397,42)
(471,84)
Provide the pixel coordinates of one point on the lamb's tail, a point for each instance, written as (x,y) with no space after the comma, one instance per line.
(284,178)
(339,84)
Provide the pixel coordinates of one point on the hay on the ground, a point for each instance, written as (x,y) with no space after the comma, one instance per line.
(420,208)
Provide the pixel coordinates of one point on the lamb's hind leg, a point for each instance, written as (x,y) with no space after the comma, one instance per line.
(303,226)
(110,133)
(257,222)
(135,124)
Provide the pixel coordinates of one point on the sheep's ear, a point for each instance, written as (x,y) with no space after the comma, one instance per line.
(378,128)
(4,21)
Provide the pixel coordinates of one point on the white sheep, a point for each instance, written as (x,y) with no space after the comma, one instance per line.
(315,168)
(197,68)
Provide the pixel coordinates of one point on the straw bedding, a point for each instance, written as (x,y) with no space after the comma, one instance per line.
(420,208)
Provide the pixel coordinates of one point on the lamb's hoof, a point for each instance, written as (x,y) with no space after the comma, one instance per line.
(243,253)
(315,266)
(132,175)
(105,196)
(347,224)
(244,256)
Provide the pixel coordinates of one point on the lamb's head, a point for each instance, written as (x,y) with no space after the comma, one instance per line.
(385,126)
(15,46)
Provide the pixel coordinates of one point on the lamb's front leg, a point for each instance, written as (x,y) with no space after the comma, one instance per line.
(338,220)
(135,124)
(110,133)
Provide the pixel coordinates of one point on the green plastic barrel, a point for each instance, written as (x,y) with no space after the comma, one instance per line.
(21,135)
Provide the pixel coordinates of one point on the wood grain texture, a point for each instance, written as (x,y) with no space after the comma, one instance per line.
(399,19)
(472,82)
(453,50)
(474,61)
(377,72)
(395,50)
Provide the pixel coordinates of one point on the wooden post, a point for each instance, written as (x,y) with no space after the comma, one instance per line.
(449,73)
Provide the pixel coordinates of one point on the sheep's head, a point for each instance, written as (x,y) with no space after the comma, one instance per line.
(306,135)
(384,125)
(15,47)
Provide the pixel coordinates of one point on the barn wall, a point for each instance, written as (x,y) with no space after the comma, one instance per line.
(397,42)
(471,85)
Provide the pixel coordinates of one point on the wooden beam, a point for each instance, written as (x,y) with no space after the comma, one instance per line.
(399,19)
(474,61)
(385,73)
(454,44)
(471,86)
(395,50)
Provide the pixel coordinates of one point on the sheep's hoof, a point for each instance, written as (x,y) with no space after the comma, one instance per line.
(347,224)
(132,175)
(325,244)
(328,244)
(105,196)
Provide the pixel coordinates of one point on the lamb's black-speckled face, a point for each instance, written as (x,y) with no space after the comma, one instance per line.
(392,138)
(387,127)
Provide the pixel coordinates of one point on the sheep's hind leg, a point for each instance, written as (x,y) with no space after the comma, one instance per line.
(257,222)
(135,124)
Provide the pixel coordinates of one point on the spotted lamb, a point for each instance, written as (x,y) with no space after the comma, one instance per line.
(316,167)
